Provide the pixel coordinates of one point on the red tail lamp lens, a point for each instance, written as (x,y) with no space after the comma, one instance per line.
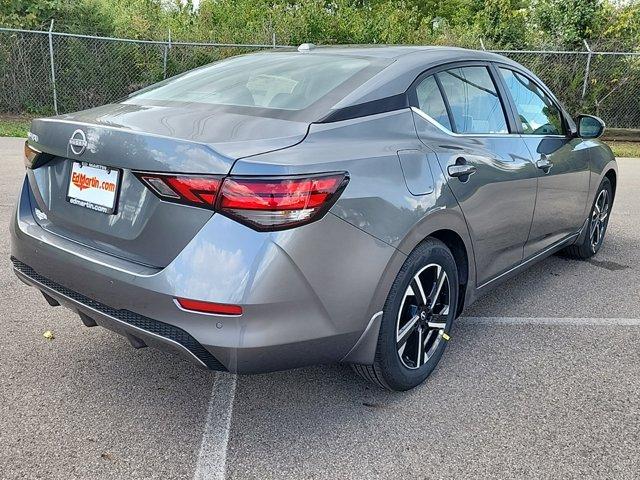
(276,203)
(264,204)
(200,191)
(30,155)
(277,194)
(209,307)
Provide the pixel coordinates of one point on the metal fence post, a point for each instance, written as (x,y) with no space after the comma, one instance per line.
(586,71)
(482,44)
(167,46)
(53,69)
(273,39)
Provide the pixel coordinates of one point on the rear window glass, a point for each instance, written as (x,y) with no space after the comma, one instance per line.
(430,101)
(286,81)
(474,101)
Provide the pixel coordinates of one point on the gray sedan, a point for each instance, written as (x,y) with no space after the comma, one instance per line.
(283,209)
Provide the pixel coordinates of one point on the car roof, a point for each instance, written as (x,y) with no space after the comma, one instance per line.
(386,51)
(406,62)
(376,51)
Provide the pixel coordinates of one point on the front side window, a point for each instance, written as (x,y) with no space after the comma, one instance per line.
(537,112)
(474,101)
(430,101)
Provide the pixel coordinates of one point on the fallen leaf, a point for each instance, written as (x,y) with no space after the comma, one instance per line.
(48,335)
(107,456)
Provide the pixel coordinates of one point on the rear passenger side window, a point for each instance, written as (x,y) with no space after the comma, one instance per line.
(474,101)
(430,101)
(537,112)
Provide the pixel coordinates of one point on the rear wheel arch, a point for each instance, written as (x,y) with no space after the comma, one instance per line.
(611,175)
(388,367)
(455,243)
(364,349)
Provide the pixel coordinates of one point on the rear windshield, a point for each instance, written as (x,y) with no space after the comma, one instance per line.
(284,82)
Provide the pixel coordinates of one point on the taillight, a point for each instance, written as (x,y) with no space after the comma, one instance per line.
(196,190)
(278,203)
(263,203)
(30,155)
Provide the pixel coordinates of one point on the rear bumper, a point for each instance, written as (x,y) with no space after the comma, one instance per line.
(307,294)
(142,331)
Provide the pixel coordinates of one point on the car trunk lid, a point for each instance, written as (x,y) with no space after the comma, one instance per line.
(127,138)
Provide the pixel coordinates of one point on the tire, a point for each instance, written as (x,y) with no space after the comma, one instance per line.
(596,226)
(407,318)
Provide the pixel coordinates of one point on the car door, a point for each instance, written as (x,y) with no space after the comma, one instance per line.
(460,114)
(562,161)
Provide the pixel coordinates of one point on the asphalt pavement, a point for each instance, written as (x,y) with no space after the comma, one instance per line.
(540,380)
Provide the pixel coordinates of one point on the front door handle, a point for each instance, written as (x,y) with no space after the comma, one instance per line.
(544,164)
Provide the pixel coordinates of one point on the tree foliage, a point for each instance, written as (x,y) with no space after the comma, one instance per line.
(570,21)
(95,71)
(500,23)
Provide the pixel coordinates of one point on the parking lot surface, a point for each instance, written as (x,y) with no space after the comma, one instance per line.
(540,380)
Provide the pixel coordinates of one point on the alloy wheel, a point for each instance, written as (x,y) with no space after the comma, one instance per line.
(598,222)
(422,317)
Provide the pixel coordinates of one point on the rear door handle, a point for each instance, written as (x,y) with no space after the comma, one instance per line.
(463,170)
(544,164)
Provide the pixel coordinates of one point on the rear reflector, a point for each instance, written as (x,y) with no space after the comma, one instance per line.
(209,307)
(262,203)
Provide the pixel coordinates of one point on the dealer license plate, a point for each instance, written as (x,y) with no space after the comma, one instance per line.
(93,186)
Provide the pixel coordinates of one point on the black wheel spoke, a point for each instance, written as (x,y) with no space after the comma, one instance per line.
(603,201)
(420,347)
(406,331)
(431,340)
(604,211)
(418,291)
(438,322)
(437,288)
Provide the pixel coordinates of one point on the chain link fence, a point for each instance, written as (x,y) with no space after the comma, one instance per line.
(606,84)
(49,72)
(46,72)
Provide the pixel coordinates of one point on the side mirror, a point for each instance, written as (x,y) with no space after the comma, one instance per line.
(590,126)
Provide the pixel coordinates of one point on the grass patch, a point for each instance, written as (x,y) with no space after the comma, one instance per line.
(14,126)
(625,149)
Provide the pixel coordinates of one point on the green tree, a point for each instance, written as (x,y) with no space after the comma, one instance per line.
(622,30)
(78,16)
(567,22)
(503,22)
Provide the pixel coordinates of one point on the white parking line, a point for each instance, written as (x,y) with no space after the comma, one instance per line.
(212,458)
(604,322)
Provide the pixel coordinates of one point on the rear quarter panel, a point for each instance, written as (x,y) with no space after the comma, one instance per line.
(377,199)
